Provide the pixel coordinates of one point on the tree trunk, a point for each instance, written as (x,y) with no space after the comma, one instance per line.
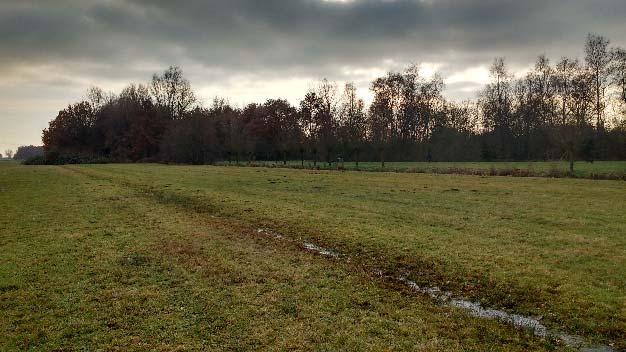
(598,101)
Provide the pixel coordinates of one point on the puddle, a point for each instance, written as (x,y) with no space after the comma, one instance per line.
(433,292)
(308,246)
(269,233)
(477,310)
(320,250)
(516,320)
(472,308)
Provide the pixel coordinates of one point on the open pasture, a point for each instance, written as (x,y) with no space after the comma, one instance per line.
(166,257)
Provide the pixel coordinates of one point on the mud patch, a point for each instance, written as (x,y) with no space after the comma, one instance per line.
(8,288)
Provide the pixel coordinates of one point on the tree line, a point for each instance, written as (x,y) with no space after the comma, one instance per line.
(571,109)
(26,152)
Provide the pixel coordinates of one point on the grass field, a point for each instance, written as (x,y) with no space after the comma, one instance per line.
(613,169)
(160,257)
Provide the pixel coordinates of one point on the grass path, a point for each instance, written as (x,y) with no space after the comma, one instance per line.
(93,264)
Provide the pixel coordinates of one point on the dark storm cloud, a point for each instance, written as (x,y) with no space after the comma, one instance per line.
(311,37)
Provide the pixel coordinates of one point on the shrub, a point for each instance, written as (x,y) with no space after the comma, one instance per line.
(53,158)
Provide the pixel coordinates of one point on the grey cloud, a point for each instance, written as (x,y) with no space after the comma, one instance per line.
(110,41)
(299,35)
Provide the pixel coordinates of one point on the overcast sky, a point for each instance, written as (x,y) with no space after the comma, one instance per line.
(250,50)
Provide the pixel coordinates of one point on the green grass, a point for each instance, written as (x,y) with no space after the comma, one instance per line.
(166,257)
(539,168)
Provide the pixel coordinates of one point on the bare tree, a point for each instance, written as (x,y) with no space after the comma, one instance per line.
(566,69)
(582,100)
(497,96)
(8,153)
(382,113)
(598,59)
(326,117)
(352,121)
(496,105)
(545,90)
(98,98)
(308,110)
(172,92)
(618,72)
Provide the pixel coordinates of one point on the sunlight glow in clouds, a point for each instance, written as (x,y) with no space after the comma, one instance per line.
(477,75)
